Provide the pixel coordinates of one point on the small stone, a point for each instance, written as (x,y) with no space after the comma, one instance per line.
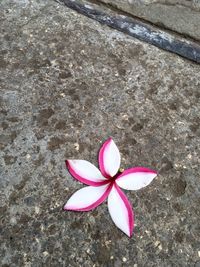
(124,259)
(157,243)
(37,210)
(76,146)
(45,253)
(13,221)
(28,156)
(147,232)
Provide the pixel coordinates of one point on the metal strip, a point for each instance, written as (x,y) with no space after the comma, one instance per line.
(141,31)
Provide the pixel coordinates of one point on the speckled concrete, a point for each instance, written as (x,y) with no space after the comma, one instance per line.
(67,83)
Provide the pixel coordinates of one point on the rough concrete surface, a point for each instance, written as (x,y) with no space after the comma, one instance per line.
(182,16)
(67,83)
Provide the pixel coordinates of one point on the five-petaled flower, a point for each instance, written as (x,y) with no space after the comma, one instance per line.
(106,183)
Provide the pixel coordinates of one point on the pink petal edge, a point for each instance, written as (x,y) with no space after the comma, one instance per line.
(129,209)
(136,169)
(120,210)
(81,179)
(92,206)
(101,161)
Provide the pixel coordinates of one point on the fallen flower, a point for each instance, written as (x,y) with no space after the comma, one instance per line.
(106,182)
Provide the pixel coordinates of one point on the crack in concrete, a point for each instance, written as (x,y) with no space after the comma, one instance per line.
(139,30)
(162,26)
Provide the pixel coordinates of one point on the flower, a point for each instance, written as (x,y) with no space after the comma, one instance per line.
(106,183)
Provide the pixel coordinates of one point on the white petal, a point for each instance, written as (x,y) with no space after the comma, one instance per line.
(87,198)
(120,210)
(85,172)
(136,178)
(109,158)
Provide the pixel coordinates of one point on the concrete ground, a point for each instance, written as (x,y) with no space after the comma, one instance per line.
(67,84)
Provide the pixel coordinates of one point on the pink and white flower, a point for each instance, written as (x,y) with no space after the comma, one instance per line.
(106,183)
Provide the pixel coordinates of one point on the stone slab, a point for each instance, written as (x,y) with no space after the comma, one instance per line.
(182,16)
(67,84)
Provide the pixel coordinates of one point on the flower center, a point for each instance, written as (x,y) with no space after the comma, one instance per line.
(112,179)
